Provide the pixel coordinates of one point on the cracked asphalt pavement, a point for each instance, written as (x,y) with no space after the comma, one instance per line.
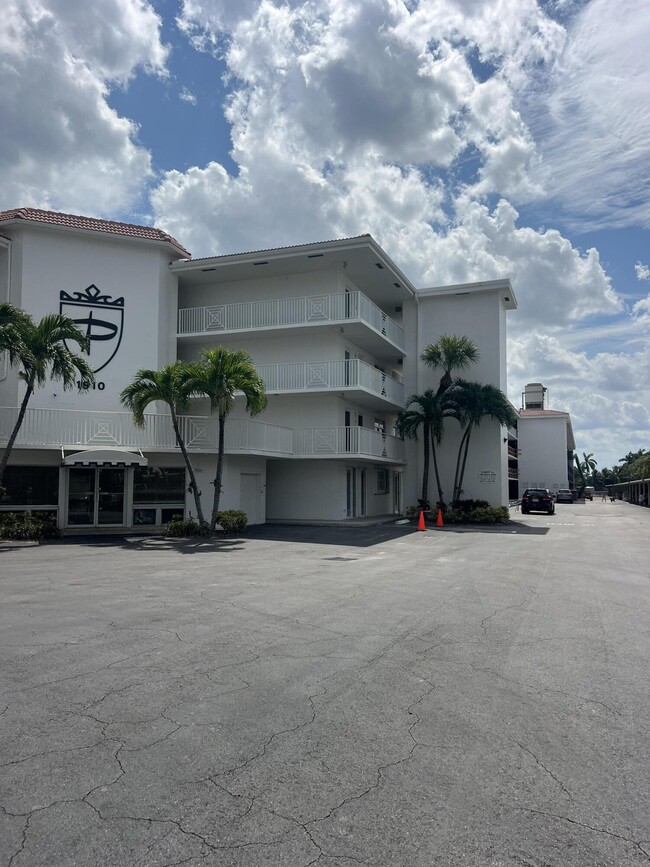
(340,697)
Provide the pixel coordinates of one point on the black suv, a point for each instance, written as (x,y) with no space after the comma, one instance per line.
(537,500)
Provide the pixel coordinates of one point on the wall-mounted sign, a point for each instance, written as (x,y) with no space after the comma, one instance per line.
(100,317)
(487,477)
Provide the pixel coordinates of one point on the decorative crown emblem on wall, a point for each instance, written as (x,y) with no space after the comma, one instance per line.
(101,317)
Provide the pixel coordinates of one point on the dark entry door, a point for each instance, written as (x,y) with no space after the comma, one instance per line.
(96,496)
(110,495)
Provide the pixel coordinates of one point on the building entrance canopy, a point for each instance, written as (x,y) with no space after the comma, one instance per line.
(105,457)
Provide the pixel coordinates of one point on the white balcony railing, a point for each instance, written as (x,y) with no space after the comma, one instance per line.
(284,312)
(331,375)
(354,441)
(56,428)
(72,428)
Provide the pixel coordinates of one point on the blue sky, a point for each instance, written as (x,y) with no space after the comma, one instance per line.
(472,139)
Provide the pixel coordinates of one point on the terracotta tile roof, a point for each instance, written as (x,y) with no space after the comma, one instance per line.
(525,412)
(91,224)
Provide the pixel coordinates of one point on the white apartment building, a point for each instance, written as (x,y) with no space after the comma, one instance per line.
(545,442)
(334,328)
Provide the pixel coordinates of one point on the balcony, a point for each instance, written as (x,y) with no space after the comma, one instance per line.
(60,428)
(365,323)
(347,442)
(513,473)
(56,428)
(371,387)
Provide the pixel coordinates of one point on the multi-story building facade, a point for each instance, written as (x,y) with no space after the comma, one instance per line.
(545,442)
(334,329)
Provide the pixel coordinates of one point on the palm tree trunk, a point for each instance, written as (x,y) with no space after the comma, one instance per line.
(462,469)
(14,433)
(425,473)
(441,496)
(458,463)
(190,469)
(219,475)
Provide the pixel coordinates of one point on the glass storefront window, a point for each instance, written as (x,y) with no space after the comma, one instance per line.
(30,486)
(159,485)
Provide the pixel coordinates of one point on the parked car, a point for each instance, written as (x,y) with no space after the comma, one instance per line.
(537,500)
(564,495)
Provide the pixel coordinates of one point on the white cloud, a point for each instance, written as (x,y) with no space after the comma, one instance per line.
(187,96)
(607,395)
(641,311)
(62,145)
(593,128)
(642,271)
(355,116)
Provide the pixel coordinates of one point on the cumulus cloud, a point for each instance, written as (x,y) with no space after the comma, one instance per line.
(62,145)
(607,394)
(642,271)
(359,116)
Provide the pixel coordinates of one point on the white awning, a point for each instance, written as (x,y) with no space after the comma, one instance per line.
(105,457)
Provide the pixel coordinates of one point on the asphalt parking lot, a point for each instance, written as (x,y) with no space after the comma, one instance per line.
(299,696)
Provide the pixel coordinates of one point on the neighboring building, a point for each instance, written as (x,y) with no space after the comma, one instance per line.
(334,328)
(545,443)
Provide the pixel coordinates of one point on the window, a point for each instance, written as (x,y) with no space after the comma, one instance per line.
(380,425)
(381,480)
(159,485)
(158,494)
(30,486)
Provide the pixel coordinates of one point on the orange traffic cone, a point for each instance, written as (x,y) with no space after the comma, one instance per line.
(439,519)
(421,525)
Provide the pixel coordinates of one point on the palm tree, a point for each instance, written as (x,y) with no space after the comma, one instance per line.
(640,468)
(168,385)
(583,481)
(472,402)
(424,411)
(588,463)
(41,353)
(450,352)
(220,373)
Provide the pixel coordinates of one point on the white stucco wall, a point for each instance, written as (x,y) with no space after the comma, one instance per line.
(205,467)
(481,316)
(306,490)
(46,262)
(542,444)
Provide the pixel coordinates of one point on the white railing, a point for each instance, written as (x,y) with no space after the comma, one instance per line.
(53,428)
(354,441)
(283,312)
(330,376)
(71,428)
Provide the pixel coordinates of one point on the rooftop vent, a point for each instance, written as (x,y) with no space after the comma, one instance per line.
(534,396)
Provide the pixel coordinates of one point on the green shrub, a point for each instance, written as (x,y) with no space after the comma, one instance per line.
(28,525)
(482,515)
(467,506)
(184,527)
(233,520)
